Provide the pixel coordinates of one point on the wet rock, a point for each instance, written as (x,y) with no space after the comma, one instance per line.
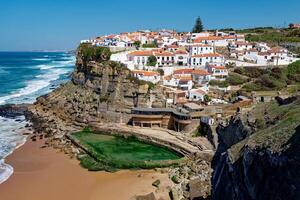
(156,183)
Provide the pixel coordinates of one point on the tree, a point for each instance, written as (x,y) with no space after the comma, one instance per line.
(151,61)
(198,28)
(206,98)
(137,44)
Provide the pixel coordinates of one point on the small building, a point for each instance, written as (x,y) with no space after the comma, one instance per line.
(201,60)
(264,96)
(162,117)
(218,72)
(194,110)
(150,76)
(196,95)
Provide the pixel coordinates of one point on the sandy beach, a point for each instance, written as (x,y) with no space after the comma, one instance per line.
(45,173)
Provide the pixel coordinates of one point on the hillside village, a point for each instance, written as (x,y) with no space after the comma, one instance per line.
(195,70)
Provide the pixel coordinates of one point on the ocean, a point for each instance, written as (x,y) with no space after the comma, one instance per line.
(24,76)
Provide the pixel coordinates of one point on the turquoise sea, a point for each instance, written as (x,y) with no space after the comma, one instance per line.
(23,77)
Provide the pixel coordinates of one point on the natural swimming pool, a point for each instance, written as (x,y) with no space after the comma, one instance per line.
(123,153)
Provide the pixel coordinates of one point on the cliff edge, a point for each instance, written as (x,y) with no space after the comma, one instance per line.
(100,91)
(259,154)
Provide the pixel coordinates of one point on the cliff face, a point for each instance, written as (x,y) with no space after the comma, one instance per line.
(99,92)
(260,160)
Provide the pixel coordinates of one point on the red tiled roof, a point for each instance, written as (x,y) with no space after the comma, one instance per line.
(180,52)
(164,53)
(145,73)
(183,71)
(141,53)
(200,72)
(207,55)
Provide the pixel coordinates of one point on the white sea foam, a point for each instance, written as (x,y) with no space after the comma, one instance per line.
(50,72)
(11,138)
(41,59)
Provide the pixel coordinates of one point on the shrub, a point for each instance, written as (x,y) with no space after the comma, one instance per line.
(151,61)
(150,45)
(236,79)
(221,84)
(93,53)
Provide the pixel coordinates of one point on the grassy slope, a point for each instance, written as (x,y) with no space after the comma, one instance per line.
(276,136)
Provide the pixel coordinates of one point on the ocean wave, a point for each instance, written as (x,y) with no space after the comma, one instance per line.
(11,138)
(42,81)
(41,59)
(5,171)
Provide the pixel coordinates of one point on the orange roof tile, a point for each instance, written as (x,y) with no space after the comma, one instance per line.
(145,73)
(200,72)
(183,71)
(207,55)
(163,53)
(181,52)
(218,67)
(141,53)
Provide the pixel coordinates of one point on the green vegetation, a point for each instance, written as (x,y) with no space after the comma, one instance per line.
(151,85)
(93,53)
(198,27)
(151,61)
(114,152)
(221,84)
(202,130)
(270,79)
(236,79)
(206,98)
(272,35)
(137,44)
(150,45)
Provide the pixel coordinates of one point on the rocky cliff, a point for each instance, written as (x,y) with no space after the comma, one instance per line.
(100,91)
(259,154)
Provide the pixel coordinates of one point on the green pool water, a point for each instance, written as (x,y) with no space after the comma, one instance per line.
(122,152)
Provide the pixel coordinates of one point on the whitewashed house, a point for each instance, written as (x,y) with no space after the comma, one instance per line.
(200,48)
(183,82)
(201,76)
(204,59)
(217,72)
(139,59)
(196,95)
(164,58)
(181,58)
(150,76)
(212,40)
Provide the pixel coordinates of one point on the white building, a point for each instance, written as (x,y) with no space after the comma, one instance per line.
(150,76)
(139,59)
(196,95)
(200,48)
(181,58)
(164,58)
(204,59)
(217,72)
(183,82)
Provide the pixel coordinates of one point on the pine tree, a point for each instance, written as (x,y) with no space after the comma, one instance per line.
(198,26)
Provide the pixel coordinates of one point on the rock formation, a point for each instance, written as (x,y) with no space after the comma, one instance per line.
(259,160)
(99,92)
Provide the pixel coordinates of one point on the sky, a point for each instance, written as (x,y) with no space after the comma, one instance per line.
(27,25)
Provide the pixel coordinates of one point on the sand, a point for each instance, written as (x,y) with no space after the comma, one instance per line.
(46,174)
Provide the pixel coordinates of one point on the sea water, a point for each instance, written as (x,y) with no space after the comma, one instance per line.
(23,77)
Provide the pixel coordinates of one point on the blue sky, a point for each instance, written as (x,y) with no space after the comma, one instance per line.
(61,24)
